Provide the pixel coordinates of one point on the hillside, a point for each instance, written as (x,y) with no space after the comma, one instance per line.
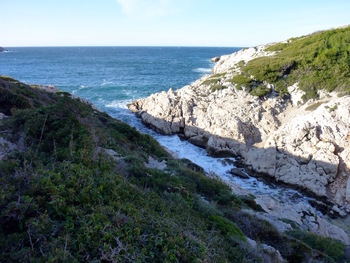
(78,185)
(319,61)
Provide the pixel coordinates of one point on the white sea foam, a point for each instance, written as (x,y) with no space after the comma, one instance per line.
(203,70)
(219,166)
(105,82)
(118,104)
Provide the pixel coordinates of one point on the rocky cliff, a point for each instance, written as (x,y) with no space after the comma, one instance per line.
(284,135)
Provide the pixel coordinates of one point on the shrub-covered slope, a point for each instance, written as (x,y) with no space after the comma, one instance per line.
(74,187)
(320,61)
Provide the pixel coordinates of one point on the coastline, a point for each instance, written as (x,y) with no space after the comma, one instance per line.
(284,140)
(274,136)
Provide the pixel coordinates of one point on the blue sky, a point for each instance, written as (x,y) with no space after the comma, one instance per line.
(164,22)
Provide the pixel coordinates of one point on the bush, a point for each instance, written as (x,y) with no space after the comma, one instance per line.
(217,87)
(210,81)
(332,248)
(226,227)
(242,81)
(260,91)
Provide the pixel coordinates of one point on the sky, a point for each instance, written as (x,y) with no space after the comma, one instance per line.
(225,23)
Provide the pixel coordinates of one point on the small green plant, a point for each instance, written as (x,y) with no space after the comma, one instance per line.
(241,63)
(242,81)
(314,106)
(277,47)
(260,91)
(250,202)
(331,109)
(226,227)
(210,81)
(217,87)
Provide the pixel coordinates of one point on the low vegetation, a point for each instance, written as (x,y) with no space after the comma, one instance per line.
(242,81)
(317,61)
(260,91)
(217,87)
(77,189)
(211,81)
(331,248)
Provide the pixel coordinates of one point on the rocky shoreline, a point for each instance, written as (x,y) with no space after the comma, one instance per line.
(301,144)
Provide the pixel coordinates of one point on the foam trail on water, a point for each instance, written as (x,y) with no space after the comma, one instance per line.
(219,166)
(202,70)
(105,83)
(118,104)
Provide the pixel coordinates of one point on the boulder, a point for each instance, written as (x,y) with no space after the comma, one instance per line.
(215,59)
(239,172)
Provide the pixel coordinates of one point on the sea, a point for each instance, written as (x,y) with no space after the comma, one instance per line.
(112,77)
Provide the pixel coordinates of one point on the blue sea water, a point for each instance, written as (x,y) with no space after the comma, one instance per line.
(111,77)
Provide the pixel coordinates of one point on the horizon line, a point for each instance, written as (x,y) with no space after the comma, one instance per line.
(175,46)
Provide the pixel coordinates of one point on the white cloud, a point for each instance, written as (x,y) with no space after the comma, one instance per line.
(149,8)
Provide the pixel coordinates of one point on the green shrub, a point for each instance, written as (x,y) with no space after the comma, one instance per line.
(260,91)
(217,87)
(210,81)
(333,248)
(250,202)
(242,81)
(226,227)
(314,106)
(277,47)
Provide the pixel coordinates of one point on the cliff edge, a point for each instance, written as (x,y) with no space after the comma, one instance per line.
(283,108)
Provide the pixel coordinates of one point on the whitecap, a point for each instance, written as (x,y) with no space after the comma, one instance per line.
(82,87)
(104,83)
(202,70)
(121,104)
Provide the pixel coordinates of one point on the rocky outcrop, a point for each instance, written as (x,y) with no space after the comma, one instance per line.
(215,59)
(2,49)
(302,144)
